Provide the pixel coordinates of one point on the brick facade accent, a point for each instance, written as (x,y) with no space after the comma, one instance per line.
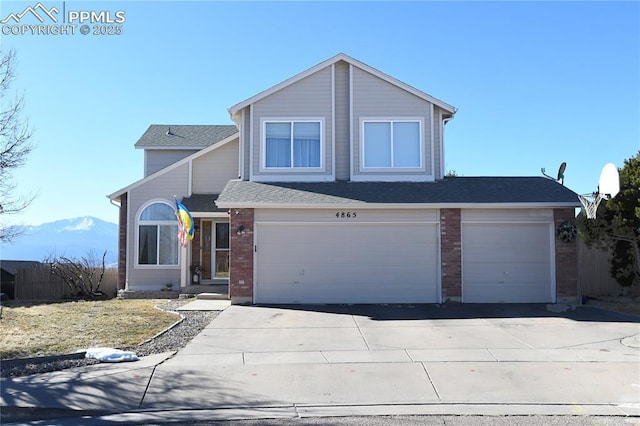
(451,255)
(566,260)
(241,256)
(122,242)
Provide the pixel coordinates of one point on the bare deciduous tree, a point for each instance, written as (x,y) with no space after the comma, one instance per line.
(15,146)
(83,275)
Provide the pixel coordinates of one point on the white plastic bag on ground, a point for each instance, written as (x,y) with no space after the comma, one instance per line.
(111,355)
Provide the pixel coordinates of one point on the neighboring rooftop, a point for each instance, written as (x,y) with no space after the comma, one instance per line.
(161,136)
(449,191)
(12,266)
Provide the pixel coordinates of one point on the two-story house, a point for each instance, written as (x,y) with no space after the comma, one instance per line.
(330,188)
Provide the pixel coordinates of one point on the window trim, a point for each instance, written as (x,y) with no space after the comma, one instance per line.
(365,120)
(138,223)
(263,144)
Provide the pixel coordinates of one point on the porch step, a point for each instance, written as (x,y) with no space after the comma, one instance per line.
(205,288)
(212,296)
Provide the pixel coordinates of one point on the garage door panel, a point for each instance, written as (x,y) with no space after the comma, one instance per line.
(506,262)
(506,272)
(354,263)
(501,293)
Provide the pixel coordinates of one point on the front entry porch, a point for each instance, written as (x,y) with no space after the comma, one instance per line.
(207,267)
(209,258)
(212,253)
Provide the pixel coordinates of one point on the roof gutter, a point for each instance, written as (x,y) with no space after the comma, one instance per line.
(403,206)
(114,202)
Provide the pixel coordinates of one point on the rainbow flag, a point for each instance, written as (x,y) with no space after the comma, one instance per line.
(185,224)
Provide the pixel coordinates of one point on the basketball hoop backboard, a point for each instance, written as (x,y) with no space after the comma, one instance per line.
(608,187)
(609,183)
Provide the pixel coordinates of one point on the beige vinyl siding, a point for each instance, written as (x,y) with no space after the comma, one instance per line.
(342,112)
(212,171)
(310,97)
(158,159)
(164,188)
(376,98)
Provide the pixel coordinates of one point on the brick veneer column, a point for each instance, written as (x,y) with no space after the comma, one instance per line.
(451,255)
(241,257)
(566,261)
(122,243)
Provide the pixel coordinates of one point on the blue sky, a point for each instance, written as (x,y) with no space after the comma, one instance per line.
(535,83)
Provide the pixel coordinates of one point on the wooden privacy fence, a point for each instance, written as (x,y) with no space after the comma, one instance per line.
(593,273)
(40,284)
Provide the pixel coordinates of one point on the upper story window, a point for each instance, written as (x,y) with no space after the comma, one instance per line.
(392,144)
(158,235)
(292,144)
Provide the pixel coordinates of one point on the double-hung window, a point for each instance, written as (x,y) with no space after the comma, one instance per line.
(158,236)
(292,144)
(392,144)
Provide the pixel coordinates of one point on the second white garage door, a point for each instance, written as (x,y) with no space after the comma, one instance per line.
(338,263)
(507,262)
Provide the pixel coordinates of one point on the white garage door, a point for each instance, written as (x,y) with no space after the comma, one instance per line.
(354,263)
(507,262)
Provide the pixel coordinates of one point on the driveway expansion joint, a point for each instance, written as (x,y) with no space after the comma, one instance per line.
(433,385)
(364,339)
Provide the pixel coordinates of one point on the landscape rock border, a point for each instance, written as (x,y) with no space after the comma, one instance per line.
(173,338)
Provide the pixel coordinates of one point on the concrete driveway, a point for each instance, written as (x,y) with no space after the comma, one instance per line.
(327,358)
(308,361)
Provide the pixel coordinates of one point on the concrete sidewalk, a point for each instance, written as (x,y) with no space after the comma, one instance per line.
(254,362)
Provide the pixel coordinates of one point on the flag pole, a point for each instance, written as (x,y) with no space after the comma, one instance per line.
(186,230)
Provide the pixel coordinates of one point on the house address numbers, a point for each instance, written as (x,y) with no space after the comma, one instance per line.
(346,215)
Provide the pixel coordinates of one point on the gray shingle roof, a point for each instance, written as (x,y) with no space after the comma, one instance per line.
(201,203)
(451,190)
(178,136)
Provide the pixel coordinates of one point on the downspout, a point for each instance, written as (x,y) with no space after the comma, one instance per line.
(444,122)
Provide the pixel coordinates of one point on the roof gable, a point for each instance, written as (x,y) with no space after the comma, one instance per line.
(354,62)
(172,136)
(116,195)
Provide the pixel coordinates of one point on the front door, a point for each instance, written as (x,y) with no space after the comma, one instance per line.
(221,267)
(215,250)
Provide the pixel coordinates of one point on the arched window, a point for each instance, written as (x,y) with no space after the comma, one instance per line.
(157,235)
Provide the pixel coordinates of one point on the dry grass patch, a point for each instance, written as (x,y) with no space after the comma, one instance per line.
(56,328)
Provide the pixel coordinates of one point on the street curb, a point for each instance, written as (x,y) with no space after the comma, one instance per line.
(70,417)
(28,414)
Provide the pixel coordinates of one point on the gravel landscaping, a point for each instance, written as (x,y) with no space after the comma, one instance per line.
(172,339)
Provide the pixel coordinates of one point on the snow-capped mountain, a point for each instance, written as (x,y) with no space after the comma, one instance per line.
(69,237)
